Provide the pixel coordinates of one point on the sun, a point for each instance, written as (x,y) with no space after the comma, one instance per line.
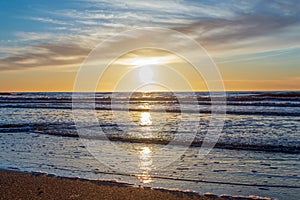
(145,74)
(146,67)
(141,61)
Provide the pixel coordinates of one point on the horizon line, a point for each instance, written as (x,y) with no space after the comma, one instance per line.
(27,91)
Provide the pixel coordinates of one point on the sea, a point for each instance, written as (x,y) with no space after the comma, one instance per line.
(155,139)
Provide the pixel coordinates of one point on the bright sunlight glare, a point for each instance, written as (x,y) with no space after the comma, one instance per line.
(145,74)
(145,61)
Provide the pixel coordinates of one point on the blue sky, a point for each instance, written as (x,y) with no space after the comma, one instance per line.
(253,35)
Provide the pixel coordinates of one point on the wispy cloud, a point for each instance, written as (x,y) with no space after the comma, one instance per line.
(48,20)
(245,34)
(257,26)
(34,36)
(45,55)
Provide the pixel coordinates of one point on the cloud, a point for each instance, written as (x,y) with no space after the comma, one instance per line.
(119,15)
(45,55)
(167,8)
(33,36)
(245,34)
(48,20)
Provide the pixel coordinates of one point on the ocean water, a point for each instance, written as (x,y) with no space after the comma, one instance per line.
(257,153)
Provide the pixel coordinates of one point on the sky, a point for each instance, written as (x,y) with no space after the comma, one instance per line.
(255,44)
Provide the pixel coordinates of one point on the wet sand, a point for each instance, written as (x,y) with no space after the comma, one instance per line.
(20,185)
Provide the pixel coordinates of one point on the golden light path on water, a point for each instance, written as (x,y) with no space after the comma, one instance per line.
(145,165)
(145,153)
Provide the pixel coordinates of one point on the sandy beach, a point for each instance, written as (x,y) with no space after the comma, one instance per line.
(18,185)
(21,185)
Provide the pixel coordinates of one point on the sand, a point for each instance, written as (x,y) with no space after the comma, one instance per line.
(21,185)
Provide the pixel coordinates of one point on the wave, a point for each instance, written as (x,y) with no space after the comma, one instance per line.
(5,94)
(127,184)
(200,96)
(64,100)
(168,110)
(281,94)
(152,102)
(56,129)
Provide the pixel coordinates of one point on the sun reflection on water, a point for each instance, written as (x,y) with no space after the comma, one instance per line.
(145,165)
(145,119)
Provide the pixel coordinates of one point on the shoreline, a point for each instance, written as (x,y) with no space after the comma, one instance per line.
(35,185)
